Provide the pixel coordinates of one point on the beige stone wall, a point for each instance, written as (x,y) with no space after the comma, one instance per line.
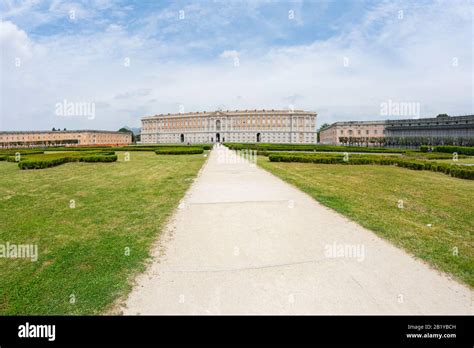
(231,126)
(369,130)
(83,137)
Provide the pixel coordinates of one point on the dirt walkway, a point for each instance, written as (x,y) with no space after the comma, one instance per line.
(245,242)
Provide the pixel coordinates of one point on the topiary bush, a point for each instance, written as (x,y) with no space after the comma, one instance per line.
(462,150)
(52,160)
(182,150)
(309,147)
(464,172)
(424,148)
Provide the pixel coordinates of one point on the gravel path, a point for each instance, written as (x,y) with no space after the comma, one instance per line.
(245,242)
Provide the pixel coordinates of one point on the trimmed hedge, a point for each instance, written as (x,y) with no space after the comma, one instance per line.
(460,150)
(464,150)
(424,148)
(127,148)
(52,160)
(22,151)
(431,155)
(262,148)
(107,158)
(41,164)
(185,150)
(458,171)
(5,154)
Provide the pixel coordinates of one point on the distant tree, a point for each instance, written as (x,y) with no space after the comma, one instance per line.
(125,130)
(54,129)
(324,126)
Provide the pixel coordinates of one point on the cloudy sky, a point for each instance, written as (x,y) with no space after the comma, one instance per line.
(342,58)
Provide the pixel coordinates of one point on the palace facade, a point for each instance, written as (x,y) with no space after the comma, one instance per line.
(442,129)
(337,132)
(242,126)
(63,137)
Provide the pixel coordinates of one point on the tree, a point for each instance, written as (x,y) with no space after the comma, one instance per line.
(324,126)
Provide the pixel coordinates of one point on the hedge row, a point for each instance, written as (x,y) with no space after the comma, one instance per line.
(461,150)
(5,154)
(127,148)
(48,161)
(309,147)
(431,155)
(464,172)
(184,150)
(49,156)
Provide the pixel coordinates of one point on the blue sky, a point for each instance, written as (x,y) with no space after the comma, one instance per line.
(341,59)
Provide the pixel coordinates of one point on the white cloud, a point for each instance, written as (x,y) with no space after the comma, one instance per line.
(229,54)
(387,58)
(14,42)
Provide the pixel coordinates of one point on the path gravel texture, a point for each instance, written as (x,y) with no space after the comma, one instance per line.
(245,242)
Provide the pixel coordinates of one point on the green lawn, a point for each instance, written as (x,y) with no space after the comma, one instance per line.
(369,195)
(469,160)
(83,250)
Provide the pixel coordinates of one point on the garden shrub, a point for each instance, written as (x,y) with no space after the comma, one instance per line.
(52,160)
(309,147)
(127,148)
(183,150)
(459,171)
(109,158)
(461,150)
(431,155)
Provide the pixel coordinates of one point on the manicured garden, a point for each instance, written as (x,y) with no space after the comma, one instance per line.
(179,150)
(47,160)
(410,162)
(465,150)
(263,147)
(54,156)
(435,223)
(94,225)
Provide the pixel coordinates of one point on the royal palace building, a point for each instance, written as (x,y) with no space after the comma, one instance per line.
(335,133)
(243,126)
(442,129)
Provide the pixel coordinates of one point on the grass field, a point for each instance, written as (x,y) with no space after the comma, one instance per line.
(469,160)
(87,254)
(370,194)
